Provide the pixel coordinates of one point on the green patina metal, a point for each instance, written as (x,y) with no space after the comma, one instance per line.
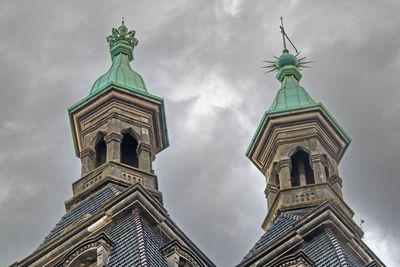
(291,96)
(121,42)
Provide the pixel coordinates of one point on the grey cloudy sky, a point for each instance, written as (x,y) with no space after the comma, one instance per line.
(204,58)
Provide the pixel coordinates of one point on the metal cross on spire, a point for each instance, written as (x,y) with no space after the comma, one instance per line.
(286,58)
(284,37)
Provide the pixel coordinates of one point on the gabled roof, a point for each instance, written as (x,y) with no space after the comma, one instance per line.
(137,243)
(90,205)
(281,225)
(324,249)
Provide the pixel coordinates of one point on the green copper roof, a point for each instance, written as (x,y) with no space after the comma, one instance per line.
(120,73)
(121,42)
(291,96)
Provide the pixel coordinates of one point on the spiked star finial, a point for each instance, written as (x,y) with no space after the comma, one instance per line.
(286,58)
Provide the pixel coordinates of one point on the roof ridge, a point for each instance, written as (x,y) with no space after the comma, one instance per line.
(141,237)
(337,247)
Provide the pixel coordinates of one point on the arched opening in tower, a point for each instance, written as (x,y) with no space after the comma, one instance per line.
(101,152)
(302,173)
(128,150)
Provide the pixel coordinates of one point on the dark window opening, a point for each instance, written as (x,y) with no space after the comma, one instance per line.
(128,151)
(301,169)
(101,153)
(275,175)
(326,172)
(326,166)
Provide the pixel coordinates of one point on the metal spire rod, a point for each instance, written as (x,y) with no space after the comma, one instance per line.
(285,50)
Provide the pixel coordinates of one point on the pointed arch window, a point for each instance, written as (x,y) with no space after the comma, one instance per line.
(302,173)
(101,151)
(128,150)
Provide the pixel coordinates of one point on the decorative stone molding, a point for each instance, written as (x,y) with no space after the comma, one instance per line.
(100,246)
(143,147)
(284,163)
(113,137)
(87,152)
(316,158)
(174,250)
(373,264)
(300,259)
(335,179)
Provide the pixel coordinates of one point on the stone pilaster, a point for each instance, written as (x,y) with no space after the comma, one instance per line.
(318,167)
(336,182)
(144,155)
(270,193)
(113,141)
(87,160)
(284,167)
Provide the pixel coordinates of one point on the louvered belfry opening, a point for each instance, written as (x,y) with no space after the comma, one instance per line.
(101,152)
(302,173)
(128,150)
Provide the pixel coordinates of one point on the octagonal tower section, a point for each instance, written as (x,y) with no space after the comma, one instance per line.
(298,146)
(119,127)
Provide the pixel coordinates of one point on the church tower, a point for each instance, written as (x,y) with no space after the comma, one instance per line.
(298,146)
(116,216)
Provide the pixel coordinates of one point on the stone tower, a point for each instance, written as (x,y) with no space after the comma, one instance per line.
(116,215)
(298,146)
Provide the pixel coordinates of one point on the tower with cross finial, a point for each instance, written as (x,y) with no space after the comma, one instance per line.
(298,146)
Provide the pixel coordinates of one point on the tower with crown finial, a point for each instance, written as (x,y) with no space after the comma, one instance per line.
(116,216)
(298,146)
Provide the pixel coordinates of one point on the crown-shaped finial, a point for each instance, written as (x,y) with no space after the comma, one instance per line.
(122,34)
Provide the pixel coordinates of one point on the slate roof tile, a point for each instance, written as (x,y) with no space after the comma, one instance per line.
(324,249)
(90,205)
(281,225)
(137,243)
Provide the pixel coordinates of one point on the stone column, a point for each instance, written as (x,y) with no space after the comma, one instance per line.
(302,172)
(318,168)
(87,160)
(270,193)
(144,155)
(113,141)
(284,167)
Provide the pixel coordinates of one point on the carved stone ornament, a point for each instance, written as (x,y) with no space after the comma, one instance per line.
(98,247)
(299,259)
(87,152)
(113,137)
(174,247)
